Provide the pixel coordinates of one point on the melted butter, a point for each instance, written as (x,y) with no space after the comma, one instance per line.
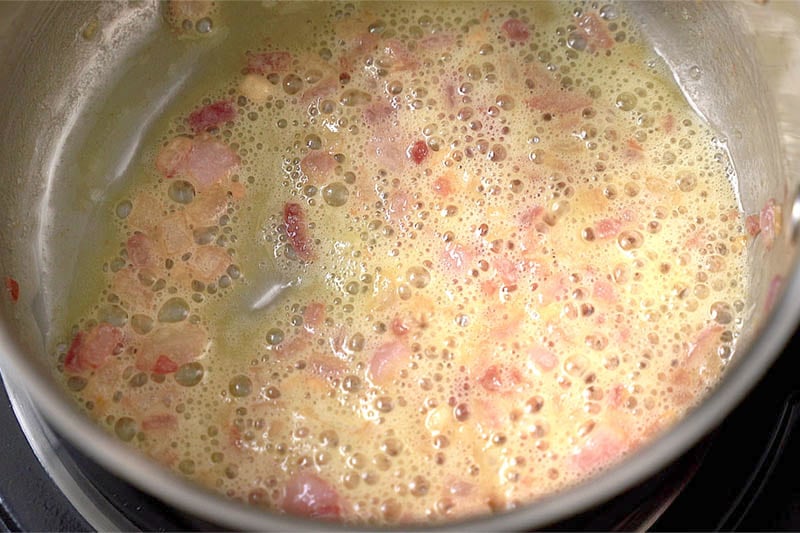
(527,261)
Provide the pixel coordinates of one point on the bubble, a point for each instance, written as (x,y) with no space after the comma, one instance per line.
(240,386)
(418,277)
(384,404)
(419,486)
(721,313)
(274,336)
(142,324)
(113,314)
(351,383)
(292,83)
(186,467)
(356,342)
(329,438)
(189,374)
(313,141)
(124,209)
(204,25)
(461,412)
(695,72)
(335,194)
(181,191)
(626,101)
(686,181)
(125,428)
(174,310)
(609,12)
(76,383)
(577,41)
(355,97)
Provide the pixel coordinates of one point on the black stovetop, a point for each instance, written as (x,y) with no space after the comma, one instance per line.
(745,477)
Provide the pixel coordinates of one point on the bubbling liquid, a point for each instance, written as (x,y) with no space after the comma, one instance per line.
(425,262)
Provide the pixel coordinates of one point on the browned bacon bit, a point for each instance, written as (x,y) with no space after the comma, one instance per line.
(268,62)
(516,30)
(297,231)
(12,286)
(753,225)
(418,152)
(165,365)
(212,115)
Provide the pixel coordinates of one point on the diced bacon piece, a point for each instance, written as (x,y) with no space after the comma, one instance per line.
(180,343)
(208,162)
(456,257)
(212,115)
(174,235)
(516,30)
(164,365)
(388,153)
(325,87)
(544,360)
(12,287)
(147,210)
(378,113)
(602,446)
(704,344)
(436,41)
(558,101)
(531,216)
(498,378)
(134,295)
(399,326)
(207,207)
(387,360)
(268,62)
(160,422)
(604,290)
(669,123)
(417,152)
(633,151)
(311,496)
(313,317)
(318,166)
(616,396)
(326,367)
(142,251)
(442,186)
(399,56)
(607,228)
(595,31)
(89,350)
(506,269)
(398,205)
(172,157)
(297,230)
(770,222)
(753,225)
(208,263)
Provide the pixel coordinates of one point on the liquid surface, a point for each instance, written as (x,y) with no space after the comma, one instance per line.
(413,262)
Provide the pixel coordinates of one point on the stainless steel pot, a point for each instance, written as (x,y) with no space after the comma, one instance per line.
(73,73)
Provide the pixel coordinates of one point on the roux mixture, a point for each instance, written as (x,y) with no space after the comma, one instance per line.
(431,261)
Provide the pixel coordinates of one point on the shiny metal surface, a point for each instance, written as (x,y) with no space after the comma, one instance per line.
(58,76)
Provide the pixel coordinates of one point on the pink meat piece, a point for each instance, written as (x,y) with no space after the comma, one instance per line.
(90,350)
(318,166)
(172,157)
(142,251)
(604,290)
(208,263)
(558,101)
(602,446)
(607,228)
(387,360)
(268,62)
(212,115)
(208,162)
(313,316)
(542,358)
(182,343)
(310,496)
(515,30)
